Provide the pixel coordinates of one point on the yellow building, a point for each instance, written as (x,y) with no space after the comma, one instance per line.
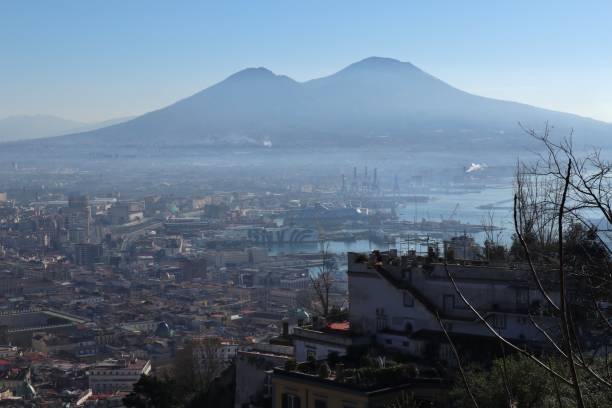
(294,389)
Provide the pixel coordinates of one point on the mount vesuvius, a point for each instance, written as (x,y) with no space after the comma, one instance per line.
(374,101)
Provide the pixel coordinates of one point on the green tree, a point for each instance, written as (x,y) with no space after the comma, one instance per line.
(516,381)
(590,265)
(408,400)
(153,392)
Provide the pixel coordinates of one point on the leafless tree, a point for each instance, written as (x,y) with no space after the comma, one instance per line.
(494,251)
(466,383)
(492,234)
(560,190)
(198,364)
(322,280)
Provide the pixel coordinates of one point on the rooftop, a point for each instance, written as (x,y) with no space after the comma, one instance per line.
(366,379)
(113,364)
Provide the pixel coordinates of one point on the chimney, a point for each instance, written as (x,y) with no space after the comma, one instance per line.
(339,371)
(285,329)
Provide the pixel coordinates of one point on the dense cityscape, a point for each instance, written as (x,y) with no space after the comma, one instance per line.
(257,289)
(94,282)
(243,205)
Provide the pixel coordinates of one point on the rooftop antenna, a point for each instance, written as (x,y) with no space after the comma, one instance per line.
(395,186)
(375,187)
(364,183)
(354,184)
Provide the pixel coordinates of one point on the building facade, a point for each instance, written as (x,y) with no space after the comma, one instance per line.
(117,375)
(396,299)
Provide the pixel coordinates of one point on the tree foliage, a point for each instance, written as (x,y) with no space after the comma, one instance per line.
(559,203)
(516,381)
(197,379)
(153,392)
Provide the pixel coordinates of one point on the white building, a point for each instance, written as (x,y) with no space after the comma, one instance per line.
(396,300)
(8,351)
(284,297)
(222,351)
(117,375)
(296,282)
(227,350)
(318,344)
(143,326)
(254,368)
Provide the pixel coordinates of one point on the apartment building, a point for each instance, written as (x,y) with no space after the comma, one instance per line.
(8,351)
(297,389)
(396,299)
(318,343)
(254,369)
(117,375)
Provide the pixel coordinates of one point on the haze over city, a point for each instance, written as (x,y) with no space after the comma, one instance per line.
(305,204)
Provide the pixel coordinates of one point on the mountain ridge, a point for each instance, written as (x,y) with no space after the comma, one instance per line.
(377,98)
(17,128)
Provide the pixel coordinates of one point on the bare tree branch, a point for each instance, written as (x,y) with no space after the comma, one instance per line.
(461,370)
(535,275)
(497,335)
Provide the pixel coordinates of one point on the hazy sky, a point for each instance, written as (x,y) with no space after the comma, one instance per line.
(94,60)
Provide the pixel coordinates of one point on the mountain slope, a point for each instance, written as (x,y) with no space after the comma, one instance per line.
(25,127)
(376,100)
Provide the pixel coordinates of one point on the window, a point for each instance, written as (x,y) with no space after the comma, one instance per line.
(445,353)
(381,319)
(408,299)
(498,321)
(320,403)
(460,304)
(268,385)
(522,298)
(311,353)
(388,341)
(290,401)
(448,303)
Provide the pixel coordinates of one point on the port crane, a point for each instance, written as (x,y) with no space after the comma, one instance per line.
(452,215)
